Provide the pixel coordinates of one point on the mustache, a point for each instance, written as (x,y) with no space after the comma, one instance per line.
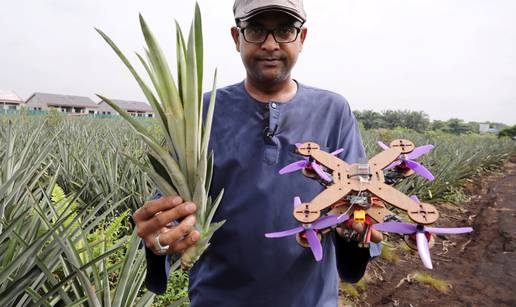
(270,57)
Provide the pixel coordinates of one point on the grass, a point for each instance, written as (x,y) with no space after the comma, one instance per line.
(406,248)
(354,290)
(389,254)
(427,279)
(456,195)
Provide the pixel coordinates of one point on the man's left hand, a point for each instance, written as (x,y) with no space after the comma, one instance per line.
(376,236)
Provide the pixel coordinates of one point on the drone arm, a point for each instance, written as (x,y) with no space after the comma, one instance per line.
(328,160)
(384,158)
(393,196)
(310,212)
(328,197)
(378,214)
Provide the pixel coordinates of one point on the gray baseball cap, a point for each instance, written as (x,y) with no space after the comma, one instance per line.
(245,9)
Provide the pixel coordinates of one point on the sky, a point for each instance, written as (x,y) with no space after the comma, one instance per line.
(448,58)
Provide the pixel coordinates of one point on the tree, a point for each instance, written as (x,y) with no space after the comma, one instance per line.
(508,132)
(457,126)
(416,120)
(370,119)
(438,125)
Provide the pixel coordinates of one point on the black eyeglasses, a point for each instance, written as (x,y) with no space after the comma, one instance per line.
(281,35)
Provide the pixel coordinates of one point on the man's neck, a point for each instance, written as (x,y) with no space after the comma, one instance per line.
(281,91)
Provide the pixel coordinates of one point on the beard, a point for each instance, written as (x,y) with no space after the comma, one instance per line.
(275,69)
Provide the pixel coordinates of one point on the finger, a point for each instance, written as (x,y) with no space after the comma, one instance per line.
(179,232)
(165,217)
(181,245)
(148,229)
(376,236)
(340,231)
(152,207)
(358,227)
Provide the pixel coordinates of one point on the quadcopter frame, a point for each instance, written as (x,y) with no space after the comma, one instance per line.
(355,178)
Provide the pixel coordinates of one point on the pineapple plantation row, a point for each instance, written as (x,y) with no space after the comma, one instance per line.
(67,191)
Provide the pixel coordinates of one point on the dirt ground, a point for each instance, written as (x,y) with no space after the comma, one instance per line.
(480,267)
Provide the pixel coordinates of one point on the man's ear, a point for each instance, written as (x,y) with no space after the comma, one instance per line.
(302,37)
(235,33)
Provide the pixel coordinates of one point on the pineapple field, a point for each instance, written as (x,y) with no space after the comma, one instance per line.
(68,189)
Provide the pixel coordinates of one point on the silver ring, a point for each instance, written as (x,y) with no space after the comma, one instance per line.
(160,249)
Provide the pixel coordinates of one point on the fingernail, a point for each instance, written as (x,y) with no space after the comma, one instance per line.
(195,237)
(190,220)
(190,207)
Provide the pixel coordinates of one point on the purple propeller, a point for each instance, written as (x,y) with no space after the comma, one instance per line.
(310,230)
(408,160)
(301,164)
(382,145)
(419,231)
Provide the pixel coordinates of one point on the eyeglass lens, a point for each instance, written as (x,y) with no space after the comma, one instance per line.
(281,35)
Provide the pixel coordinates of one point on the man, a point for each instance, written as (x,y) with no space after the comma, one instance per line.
(255,127)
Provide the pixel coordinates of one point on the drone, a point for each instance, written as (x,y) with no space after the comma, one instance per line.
(359,192)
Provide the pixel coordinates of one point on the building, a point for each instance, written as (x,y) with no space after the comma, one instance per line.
(135,108)
(488,128)
(10,101)
(78,105)
(63,103)
(483,127)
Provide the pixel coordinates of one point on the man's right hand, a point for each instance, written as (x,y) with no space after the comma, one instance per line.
(155,217)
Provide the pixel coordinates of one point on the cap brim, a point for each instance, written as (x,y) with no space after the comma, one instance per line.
(273,9)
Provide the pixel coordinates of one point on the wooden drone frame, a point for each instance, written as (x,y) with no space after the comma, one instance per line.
(348,180)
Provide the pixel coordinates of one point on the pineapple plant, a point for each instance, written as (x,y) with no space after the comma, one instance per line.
(180,164)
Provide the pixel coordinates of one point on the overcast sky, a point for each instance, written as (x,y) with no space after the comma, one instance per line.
(448,58)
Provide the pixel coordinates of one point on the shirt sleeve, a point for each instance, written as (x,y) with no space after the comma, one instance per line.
(158,268)
(351,259)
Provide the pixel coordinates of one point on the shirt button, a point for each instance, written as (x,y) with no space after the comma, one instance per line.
(273,105)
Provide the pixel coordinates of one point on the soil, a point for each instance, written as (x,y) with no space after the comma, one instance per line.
(480,267)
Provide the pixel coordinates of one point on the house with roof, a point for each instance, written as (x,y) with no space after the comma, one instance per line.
(63,103)
(10,101)
(135,108)
(485,128)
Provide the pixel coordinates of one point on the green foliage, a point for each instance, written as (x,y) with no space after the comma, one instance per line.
(453,161)
(389,254)
(54,118)
(508,132)
(458,126)
(181,164)
(389,119)
(427,279)
(177,291)
(353,290)
(62,204)
(415,120)
(55,248)
(57,194)
(456,195)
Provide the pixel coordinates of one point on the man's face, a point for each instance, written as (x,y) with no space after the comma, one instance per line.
(269,61)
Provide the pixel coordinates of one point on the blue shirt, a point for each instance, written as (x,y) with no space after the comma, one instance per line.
(242,267)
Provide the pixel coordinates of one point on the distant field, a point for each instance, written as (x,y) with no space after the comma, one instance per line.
(66,191)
